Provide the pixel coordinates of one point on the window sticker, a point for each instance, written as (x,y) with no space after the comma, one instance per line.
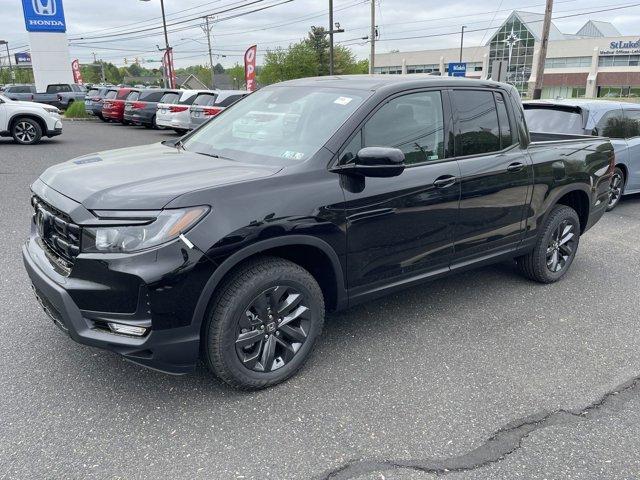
(343,100)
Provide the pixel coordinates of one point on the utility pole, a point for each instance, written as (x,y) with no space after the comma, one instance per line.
(330,37)
(207,27)
(372,56)
(167,48)
(546,26)
(462,41)
(333,29)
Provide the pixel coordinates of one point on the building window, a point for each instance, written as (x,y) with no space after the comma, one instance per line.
(619,61)
(618,92)
(513,44)
(568,62)
(563,92)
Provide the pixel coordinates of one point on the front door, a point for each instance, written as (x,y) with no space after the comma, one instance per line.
(402,227)
(496,174)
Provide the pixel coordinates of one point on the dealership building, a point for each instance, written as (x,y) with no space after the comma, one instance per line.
(596,61)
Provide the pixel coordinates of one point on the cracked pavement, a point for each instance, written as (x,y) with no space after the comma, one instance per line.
(484,374)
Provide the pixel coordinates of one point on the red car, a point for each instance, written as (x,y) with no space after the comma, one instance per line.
(113,103)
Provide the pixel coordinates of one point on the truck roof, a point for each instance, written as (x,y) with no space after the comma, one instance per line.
(379,81)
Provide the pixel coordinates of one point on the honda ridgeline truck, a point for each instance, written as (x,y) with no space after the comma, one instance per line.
(229,244)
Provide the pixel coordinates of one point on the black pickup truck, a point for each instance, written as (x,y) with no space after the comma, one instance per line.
(229,244)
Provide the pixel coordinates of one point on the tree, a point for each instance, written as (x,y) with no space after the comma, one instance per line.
(236,75)
(218,68)
(308,58)
(135,70)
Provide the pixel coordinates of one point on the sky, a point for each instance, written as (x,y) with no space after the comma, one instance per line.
(132,28)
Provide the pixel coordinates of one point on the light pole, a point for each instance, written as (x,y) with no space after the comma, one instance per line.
(166,38)
(462,41)
(4,42)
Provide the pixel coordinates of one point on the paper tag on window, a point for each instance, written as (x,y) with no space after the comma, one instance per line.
(342,100)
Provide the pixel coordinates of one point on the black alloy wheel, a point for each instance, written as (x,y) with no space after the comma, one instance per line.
(561,246)
(555,248)
(264,321)
(272,329)
(616,190)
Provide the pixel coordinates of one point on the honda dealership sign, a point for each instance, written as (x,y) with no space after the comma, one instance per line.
(47,27)
(44,16)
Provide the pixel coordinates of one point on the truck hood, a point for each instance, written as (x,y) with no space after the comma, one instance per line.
(144,178)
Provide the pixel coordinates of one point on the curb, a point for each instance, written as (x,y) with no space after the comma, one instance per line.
(79,119)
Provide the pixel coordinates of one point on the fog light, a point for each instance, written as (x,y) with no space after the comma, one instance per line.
(127,329)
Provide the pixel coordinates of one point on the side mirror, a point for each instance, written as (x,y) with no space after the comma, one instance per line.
(376,162)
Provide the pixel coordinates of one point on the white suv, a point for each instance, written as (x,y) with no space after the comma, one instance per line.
(28,122)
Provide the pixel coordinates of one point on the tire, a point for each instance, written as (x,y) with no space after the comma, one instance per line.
(617,188)
(180,131)
(245,347)
(153,125)
(103,118)
(26,131)
(125,122)
(555,247)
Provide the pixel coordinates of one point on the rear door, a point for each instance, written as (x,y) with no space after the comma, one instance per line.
(611,123)
(402,227)
(496,174)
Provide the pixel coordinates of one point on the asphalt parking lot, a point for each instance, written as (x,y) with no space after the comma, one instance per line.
(481,375)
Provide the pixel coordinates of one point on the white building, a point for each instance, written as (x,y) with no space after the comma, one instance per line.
(594,62)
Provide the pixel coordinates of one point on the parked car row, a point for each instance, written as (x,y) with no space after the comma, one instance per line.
(180,110)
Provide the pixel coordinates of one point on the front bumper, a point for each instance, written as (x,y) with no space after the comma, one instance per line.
(77,302)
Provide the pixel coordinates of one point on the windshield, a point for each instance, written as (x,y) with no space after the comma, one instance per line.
(290,123)
(206,99)
(550,120)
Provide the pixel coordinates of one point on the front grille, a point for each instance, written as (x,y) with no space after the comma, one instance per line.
(56,230)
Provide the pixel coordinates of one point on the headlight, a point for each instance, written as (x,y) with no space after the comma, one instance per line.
(167,226)
(54,111)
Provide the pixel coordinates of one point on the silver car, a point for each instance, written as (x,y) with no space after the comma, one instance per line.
(619,121)
(209,104)
(176,115)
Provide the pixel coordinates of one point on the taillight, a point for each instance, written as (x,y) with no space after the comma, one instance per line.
(212,111)
(177,108)
(138,105)
(96,99)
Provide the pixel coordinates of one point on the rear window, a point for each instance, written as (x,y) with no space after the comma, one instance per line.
(123,94)
(111,94)
(205,99)
(170,97)
(58,88)
(553,120)
(151,95)
(19,89)
(230,100)
(93,92)
(187,100)
(133,96)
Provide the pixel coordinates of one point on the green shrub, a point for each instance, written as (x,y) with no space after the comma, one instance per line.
(76,110)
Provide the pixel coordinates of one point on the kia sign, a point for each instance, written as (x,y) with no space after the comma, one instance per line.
(250,67)
(457,69)
(22,58)
(44,15)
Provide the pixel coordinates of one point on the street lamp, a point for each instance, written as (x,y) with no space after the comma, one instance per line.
(4,42)
(166,36)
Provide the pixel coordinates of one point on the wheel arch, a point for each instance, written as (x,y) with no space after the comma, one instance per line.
(313,254)
(625,171)
(32,116)
(577,198)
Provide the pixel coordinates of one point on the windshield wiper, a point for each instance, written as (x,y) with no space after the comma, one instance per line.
(215,155)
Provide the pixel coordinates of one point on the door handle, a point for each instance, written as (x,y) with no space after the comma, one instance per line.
(515,167)
(445,181)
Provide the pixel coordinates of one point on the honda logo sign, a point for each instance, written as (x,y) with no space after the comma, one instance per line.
(44,15)
(44,7)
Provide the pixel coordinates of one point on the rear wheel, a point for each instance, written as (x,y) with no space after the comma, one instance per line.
(555,248)
(617,189)
(26,131)
(264,323)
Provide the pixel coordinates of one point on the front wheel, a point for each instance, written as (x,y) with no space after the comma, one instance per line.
(26,131)
(264,323)
(555,248)
(617,189)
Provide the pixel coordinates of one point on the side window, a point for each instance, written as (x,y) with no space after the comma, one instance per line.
(413,123)
(612,125)
(477,129)
(506,135)
(632,118)
(351,150)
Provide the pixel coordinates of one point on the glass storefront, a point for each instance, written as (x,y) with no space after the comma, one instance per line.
(564,92)
(513,44)
(618,92)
